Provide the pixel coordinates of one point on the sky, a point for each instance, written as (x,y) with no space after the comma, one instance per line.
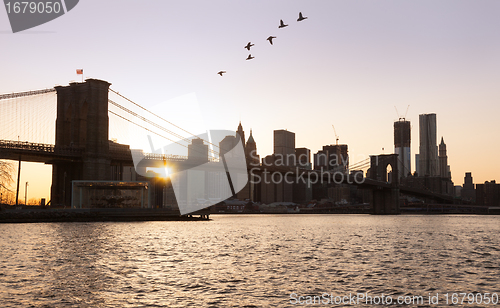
(348,65)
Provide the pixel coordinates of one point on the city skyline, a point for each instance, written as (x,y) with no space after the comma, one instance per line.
(348,65)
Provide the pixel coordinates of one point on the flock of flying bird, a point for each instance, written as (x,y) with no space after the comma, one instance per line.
(270,39)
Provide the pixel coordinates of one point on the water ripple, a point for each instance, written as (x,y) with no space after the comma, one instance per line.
(245,261)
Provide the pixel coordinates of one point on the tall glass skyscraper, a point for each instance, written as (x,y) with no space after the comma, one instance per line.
(428,156)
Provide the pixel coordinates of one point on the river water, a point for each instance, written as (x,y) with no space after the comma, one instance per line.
(252,261)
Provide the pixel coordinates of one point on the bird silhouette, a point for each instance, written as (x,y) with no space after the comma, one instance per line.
(250,57)
(270,39)
(249,45)
(301,18)
(221,72)
(282,24)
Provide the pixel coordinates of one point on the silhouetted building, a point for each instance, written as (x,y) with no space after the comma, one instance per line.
(468,192)
(198,151)
(253,158)
(488,194)
(268,160)
(277,186)
(428,156)
(303,156)
(402,141)
(302,190)
(241,133)
(227,144)
(435,184)
(284,147)
(251,190)
(444,168)
(332,157)
(417,166)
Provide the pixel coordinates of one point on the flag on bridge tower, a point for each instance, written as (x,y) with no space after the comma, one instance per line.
(79,71)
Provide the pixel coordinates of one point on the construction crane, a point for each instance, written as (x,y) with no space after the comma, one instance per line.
(336,136)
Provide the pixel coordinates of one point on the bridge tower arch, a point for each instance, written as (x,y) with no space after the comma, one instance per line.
(82,123)
(385,199)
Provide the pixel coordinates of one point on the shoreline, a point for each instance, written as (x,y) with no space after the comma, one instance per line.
(94,215)
(38,215)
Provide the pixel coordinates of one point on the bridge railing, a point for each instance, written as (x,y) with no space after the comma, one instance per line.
(169,157)
(39,147)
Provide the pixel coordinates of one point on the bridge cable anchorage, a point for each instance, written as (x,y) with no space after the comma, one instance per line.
(207,141)
(151,123)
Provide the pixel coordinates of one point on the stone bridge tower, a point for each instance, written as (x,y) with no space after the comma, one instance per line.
(385,199)
(82,123)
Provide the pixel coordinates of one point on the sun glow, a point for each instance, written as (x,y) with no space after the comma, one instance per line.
(163,172)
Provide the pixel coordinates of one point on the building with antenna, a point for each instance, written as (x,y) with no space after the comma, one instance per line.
(402,142)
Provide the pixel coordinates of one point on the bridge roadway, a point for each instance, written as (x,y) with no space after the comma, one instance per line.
(49,153)
(37,152)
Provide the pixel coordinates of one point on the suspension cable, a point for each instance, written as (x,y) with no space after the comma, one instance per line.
(161,118)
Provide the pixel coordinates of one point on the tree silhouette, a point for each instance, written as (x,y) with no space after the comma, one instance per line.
(6,170)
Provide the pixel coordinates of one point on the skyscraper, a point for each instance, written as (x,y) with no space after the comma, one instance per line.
(198,151)
(444,169)
(402,139)
(241,133)
(303,156)
(284,147)
(428,156)
(468,190)
(251,151)
(227,144)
